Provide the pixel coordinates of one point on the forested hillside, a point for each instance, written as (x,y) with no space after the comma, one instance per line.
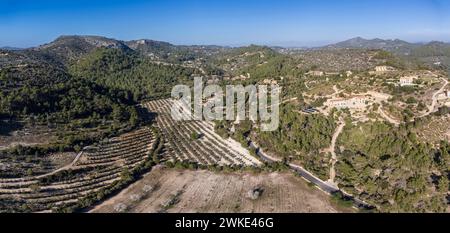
(39,89)
(122,70)
(394,169)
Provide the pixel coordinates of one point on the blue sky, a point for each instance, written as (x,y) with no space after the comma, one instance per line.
(225,22)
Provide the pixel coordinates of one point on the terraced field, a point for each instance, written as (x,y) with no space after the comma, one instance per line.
(101,166)
(95,168)
(208,149)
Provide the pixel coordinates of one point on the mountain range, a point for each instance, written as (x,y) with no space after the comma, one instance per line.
(396,46)
(10,48)
(359,42)
(65,49)
(81,44)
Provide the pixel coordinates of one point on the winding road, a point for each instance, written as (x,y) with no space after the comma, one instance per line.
(304,173)
(430,108)
(433,104)
(323,185)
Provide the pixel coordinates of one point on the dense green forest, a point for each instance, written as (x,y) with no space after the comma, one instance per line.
(258,61)
(64,102)
(53,95)
(299,138)
(122,70)
(84,97)
(274,67)
(393,169)
(77,111)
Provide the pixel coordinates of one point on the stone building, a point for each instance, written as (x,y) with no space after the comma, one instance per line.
(354,102)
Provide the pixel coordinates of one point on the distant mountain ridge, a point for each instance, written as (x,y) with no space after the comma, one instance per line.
(10,48)
(66,49)
(396,45)
(95,41)
(87,42)
(433,53)
(376,43)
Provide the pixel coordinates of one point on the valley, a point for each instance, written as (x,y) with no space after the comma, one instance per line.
(86,126)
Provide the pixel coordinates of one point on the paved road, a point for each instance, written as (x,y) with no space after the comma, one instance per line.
(324,186)
(304,173)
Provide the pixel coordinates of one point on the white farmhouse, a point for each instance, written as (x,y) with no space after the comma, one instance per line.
(407,81)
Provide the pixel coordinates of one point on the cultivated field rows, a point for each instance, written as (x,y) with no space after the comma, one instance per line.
(96,168)
(209,149)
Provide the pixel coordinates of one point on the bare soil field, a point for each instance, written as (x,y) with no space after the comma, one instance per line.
(26,137)
(189,191)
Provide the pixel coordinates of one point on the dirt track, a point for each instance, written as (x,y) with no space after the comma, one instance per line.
(170,190)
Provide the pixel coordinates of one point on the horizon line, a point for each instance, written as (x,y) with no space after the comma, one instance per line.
(293,43)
